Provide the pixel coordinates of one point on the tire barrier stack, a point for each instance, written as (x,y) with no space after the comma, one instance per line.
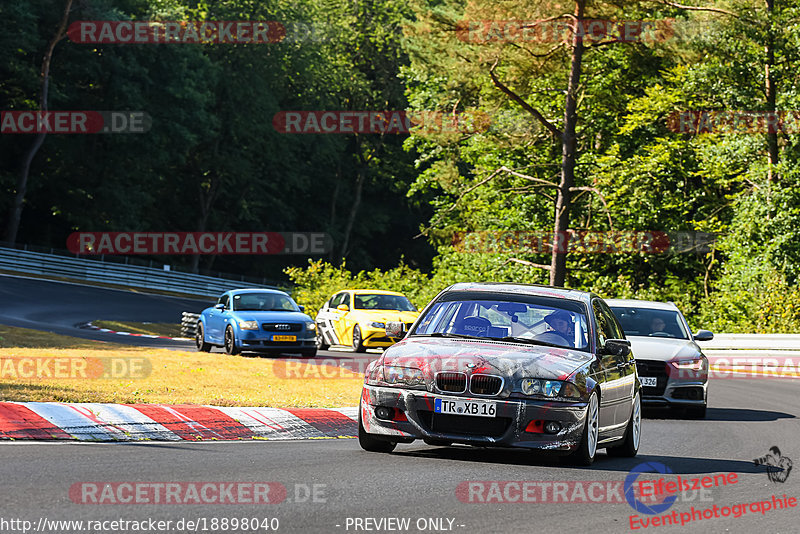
(189,324)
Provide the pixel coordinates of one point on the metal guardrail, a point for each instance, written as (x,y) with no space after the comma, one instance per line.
(752,346)
(83,269)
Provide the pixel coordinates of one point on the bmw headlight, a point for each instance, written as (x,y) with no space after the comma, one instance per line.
(405,376)
(311,326)
(248,325)
(545,388)
(376,324)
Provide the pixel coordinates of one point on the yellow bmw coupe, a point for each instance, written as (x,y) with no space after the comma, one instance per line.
(358,317)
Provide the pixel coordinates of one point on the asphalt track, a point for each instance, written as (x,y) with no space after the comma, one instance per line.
(63,307)
(745,418)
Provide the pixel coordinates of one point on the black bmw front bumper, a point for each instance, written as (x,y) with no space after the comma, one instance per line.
(413,417)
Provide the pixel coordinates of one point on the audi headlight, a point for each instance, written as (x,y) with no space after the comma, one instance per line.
(694,364)
(406,376)
(376,324)
(545,388)
(311,326)
(248,325)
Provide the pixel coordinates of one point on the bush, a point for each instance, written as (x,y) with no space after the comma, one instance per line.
(316,283)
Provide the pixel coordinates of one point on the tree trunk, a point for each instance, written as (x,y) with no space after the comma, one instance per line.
(558,261)
(12,229)
(334,200)
(351,219)
(770,92)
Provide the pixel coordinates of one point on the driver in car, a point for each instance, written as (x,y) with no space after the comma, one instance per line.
(560,322)
(266,303)
(657,325)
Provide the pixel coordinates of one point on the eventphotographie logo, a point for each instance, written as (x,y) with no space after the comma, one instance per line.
(778,467)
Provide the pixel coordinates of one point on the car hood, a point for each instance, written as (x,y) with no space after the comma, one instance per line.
(509,360)
(662,349)
(384,316)
(271,316)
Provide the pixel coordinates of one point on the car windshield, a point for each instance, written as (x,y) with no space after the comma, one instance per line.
(263,302)
(382,302)
(651,323)
(534,320)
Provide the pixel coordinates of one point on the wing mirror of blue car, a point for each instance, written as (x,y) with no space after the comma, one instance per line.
(616,347)
(343,307)
(395,329)
(703,335)
(302,308)
(219,306)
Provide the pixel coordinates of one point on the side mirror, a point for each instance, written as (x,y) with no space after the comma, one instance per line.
(395,329)
(302,308)
(703,335)
(616,347)
(219,306)
(343,307)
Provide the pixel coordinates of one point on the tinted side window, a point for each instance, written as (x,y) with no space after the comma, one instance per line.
(346,300)
(224,300)
(614,325)
(605,327)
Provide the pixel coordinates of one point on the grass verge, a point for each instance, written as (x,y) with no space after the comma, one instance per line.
(155,329)
(175,377)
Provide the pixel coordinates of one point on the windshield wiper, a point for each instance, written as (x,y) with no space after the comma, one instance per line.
(528,341)
(447,334)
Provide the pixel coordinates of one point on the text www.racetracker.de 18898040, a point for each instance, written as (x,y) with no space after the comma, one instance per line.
(197,524)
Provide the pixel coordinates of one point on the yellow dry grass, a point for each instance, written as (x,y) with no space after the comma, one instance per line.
(175,377)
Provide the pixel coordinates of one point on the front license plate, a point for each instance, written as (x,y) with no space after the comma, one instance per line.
(649,381)
(284,338)
(464,407)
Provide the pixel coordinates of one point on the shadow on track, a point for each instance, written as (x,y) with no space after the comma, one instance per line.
(603,462)
(718,414)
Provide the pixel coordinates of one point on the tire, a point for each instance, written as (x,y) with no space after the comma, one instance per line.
(630,446)
(587,450)
(370,443)
(230,342)
(696,412)
(200,339)
(321,345)
(358,343)
(309,353)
